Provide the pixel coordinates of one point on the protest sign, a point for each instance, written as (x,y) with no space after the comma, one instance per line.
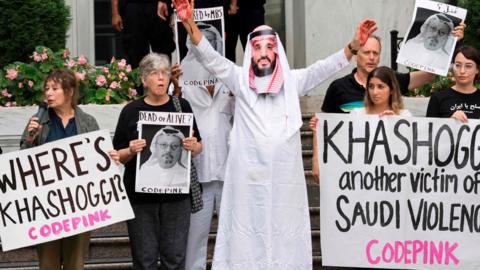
(60,189)
(399,192)
(164,165)
(429,43)
(211,22)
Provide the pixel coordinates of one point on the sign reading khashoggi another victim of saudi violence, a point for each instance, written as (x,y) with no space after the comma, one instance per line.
(400,193)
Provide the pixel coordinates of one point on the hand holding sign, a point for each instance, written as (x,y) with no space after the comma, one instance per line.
(184,9)
(459,30)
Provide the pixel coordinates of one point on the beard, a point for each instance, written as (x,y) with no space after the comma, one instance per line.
(262,72)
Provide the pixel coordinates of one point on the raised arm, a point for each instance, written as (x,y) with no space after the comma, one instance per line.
(323,69)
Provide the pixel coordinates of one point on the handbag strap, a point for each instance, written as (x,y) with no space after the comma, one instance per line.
(195,186)
(176,103)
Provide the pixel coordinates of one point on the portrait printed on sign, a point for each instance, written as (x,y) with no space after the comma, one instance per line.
(211,22)
(429,43)
(164,165)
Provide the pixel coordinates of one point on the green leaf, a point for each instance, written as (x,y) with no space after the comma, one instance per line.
(45,67)
(30,71)
(101,93)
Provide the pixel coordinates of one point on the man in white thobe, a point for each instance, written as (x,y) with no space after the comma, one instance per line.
(264,218)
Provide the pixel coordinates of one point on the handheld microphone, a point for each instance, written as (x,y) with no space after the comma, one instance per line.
(42,108)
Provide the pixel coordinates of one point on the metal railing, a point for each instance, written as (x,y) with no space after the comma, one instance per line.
(395,42)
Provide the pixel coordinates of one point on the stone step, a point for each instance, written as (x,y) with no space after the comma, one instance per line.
(125,263)
(114,251)
(112,242)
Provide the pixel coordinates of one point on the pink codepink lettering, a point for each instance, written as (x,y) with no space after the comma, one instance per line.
(69,224)
(411,252)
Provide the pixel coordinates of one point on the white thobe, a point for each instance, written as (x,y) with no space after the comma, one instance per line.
(264,216)
(214,115)
(152,175)
(416,52)
(214,120)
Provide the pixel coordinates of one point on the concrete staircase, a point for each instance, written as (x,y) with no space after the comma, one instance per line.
(109,247)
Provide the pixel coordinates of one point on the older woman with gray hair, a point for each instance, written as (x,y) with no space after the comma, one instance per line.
(160,227)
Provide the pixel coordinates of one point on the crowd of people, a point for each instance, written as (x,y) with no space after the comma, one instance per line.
(246,140)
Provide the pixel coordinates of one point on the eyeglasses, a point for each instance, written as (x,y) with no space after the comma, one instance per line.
(162,72)
(164,146)
(467,66)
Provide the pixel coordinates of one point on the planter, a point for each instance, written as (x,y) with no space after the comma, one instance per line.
(14,119)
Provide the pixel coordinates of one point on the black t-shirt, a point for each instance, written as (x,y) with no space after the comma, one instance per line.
(444,103)
(212,3)
(252,4)
(346,94)
(127,130)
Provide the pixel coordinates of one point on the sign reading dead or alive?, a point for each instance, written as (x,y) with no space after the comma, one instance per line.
(163,167)
(60,189)
(399,192)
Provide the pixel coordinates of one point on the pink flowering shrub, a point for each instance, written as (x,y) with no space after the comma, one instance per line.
(22,83)
(112,83)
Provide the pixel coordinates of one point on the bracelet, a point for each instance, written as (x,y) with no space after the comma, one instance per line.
(351,49)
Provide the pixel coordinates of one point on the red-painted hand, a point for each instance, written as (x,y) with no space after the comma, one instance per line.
(364,30)
(184,9)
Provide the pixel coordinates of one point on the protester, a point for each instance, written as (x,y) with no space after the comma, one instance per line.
(347,93)
(160,227)
(383,96)
(144,25)
(462,100)
(213,106)
(62,119)
(264,217)
(195,74)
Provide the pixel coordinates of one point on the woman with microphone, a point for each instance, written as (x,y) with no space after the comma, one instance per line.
(62,119)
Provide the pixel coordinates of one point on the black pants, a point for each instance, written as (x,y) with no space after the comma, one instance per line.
(240,25)
(159,230)
(142,29)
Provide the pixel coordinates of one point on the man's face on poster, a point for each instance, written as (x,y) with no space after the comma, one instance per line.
(436,34)
(168,150)
(212,39)
(263,57)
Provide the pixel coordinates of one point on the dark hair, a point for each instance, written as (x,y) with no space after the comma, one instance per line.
(67,79)
(387,76)
(471,54)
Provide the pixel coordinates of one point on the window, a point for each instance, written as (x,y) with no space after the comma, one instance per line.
(107,40)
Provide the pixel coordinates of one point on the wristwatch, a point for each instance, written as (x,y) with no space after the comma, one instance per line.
(352,50)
